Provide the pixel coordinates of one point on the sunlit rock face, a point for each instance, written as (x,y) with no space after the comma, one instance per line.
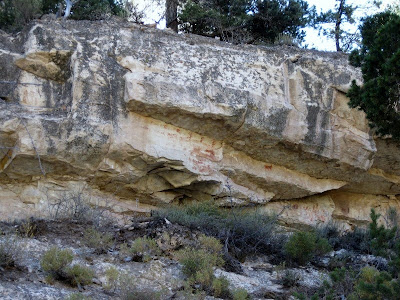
(136,118)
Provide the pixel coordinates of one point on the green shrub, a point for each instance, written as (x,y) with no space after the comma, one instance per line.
(210,244)
(145,247)
(381,237)
(340,286)
(246,233)
(10,250)
(14,14)
(290,278)
(220,287)
(196,260)
(55,260)
(112,277)
(303,246)
(373,285)
(56,263)
(240,294)
(96,9)
(322,247)
(79,275)
(97,240)
(198,264)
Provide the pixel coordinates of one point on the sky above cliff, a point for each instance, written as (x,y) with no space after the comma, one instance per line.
(313,39)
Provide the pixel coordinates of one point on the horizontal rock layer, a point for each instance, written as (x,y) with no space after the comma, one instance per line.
(135,118)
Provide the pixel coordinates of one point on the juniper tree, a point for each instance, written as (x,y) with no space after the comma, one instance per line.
(379,59)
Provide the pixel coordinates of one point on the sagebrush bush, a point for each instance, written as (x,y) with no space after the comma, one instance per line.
(79,275)
(57,264)
(198,264)
(100,241)
(146,247)
(210,244)
(112,279)
(331,232)
(246,233)
(55,260)
(196,260)
(10,250)
(240,294)
(220,287)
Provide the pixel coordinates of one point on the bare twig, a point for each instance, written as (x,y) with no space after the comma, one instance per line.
(22,83)
(34,147)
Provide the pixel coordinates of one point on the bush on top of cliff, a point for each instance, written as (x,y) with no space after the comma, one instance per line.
(245,21)
(379,59)
(96,9)
(15,14)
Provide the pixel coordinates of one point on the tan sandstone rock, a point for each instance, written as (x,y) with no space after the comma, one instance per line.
(140,117)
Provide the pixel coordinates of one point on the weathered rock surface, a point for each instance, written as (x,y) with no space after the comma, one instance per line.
(136,117)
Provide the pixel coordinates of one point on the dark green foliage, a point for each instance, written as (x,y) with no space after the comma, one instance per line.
(96,9)
(303,246)
(357,240)
(290,278)
(245,21)
(385,242)
(379,59)
(51,6)
(373,285)
(381,238)
(15,14)
(244,233)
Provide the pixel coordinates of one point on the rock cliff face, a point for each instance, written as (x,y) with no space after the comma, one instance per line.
(135,117)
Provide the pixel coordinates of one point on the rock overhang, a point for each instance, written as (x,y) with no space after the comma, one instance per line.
(164,118)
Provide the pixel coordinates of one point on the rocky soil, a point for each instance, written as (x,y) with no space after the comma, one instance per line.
(161,275)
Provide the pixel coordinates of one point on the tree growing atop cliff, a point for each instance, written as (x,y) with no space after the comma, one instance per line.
(337,23)
(379,59)
(245,21)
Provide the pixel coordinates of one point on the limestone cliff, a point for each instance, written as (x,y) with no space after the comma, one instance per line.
(136,117)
